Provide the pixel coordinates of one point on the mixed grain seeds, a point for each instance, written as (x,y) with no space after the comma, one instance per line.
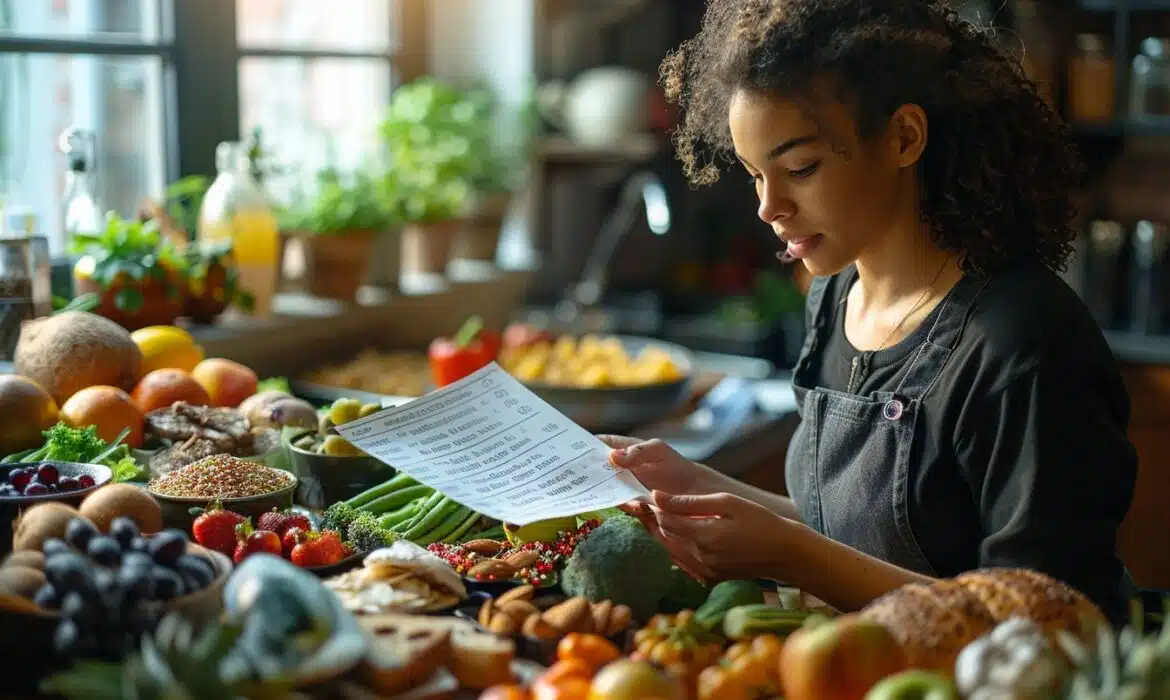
(221,476)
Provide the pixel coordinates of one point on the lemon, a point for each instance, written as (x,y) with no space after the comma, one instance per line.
(167,347)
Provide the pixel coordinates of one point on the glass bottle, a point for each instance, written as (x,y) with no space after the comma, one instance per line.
(1091,81)
(234,209)
(81,212)
(1150,79)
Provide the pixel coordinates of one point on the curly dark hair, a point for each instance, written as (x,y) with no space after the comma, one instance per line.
(997,173)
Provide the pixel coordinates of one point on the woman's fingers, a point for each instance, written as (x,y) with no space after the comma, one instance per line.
(618,442)
(631,456)
(713,505)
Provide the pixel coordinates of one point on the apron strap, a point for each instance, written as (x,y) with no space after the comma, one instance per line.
(931,356)
(818,304)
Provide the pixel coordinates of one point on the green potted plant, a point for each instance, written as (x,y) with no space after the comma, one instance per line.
(139,276)
(336,226)
(430,132)
(500,141)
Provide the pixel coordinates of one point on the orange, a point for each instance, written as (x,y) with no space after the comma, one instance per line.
(167,347)
(27,409)
(227,383)
(504,692)
(107,408)
(163,387)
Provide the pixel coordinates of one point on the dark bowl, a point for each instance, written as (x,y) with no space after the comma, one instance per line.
(620,409)
(351,562)
(12,506)
(31,650)
(177,513)
(328,479)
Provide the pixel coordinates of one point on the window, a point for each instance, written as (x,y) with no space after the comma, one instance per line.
(99,65)
(315,78)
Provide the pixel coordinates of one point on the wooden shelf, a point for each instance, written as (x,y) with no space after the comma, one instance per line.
(637,149)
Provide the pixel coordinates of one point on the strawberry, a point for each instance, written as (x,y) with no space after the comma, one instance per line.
(310,552)
(332,546)
(250,541)
(291,538)
(215,529)
(279,522)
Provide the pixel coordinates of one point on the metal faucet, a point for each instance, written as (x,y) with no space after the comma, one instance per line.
(643,186)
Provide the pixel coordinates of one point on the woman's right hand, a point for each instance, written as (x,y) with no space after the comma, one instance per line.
(658,466)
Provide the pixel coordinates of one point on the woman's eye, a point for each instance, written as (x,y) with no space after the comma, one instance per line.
(806,170)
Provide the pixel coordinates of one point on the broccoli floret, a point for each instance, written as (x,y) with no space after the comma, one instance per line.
(364,533)
(338,517)
(622,562)
(685,593)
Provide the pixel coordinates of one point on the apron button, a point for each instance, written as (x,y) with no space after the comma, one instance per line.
(893,409)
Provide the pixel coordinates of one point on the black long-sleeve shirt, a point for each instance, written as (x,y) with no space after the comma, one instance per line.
(1020,456)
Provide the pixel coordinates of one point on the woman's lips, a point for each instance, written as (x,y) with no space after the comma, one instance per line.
(800,247)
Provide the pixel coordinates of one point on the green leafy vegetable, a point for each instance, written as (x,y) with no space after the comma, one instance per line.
(82,445)
(274,384)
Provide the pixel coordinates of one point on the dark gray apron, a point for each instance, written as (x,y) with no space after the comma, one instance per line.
(849,461)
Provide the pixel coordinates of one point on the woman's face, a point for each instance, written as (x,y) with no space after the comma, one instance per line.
(829,196)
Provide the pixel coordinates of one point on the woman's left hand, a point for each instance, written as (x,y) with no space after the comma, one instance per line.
(720,536)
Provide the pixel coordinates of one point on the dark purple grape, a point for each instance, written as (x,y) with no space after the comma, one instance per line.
(68,483)
(86,481)
(36,488)
(54,546)
(19,478)
(47,474)
(104,550)
(47,597)
(79,532)
(166,583)
(124,530)
(167,546)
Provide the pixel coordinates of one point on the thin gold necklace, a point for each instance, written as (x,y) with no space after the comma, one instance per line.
(859,367)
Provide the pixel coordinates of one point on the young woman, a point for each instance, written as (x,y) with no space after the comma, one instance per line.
(960,408)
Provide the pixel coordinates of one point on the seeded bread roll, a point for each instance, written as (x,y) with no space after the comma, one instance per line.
(932,622)
(1044,600)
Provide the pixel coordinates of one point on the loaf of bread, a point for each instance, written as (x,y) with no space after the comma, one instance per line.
(933,622)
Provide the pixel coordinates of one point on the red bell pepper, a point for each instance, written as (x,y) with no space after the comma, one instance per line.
(472,348)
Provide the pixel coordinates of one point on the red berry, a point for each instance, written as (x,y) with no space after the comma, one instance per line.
(47,474)
(215,529)
(292,537)
(86,481)
(36,488)
(257,542)
(293,519)
(19,479)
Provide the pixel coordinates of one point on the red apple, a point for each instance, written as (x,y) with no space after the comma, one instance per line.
(838,660)
(522,335)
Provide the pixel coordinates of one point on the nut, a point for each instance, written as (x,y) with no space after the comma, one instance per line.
(569,616)
(518,610)
(523,559)
(619,620)
(525,592)
(536,627)
(504,625)
(487,548)
(600,613)
(492,569)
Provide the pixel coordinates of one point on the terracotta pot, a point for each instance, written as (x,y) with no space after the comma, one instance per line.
(161,299)
(207,297)
(426,248)
(335,264)
(479,232)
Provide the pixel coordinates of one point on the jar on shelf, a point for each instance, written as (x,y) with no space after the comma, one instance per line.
(1039,58)
(1091,81)
(1150,79)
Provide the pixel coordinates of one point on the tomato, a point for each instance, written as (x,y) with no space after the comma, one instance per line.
(666,652)
(566,668)
(767,648)
(568,688)
(737,650)
(594,650)
(717,683)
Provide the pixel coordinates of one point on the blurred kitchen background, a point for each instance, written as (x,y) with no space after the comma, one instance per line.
(561,174)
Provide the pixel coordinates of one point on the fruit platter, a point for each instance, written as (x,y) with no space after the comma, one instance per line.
(206,533)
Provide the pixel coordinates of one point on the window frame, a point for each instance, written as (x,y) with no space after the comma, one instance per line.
(200,53)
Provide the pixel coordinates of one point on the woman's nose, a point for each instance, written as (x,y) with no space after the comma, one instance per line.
(774,206)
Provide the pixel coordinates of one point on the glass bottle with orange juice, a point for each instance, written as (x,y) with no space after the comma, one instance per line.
(235,209)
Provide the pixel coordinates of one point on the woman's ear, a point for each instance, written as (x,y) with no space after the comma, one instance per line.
(908,132)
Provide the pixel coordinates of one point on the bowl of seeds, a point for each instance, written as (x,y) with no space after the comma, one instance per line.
(241,486)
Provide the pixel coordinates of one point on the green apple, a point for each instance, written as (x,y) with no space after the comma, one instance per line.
(539,531)
(914,685)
